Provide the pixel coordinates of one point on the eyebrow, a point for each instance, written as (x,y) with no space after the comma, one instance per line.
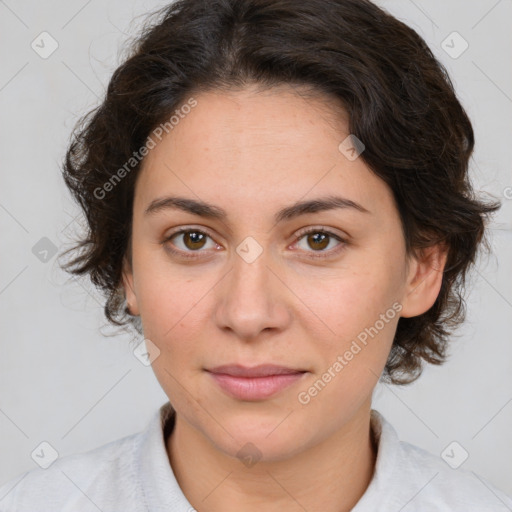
(210,211)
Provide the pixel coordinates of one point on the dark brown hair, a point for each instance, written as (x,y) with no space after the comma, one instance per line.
(400,101)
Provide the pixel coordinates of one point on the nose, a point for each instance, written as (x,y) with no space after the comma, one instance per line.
(253,298)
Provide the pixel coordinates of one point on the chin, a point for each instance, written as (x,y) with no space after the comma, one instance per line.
(258,436)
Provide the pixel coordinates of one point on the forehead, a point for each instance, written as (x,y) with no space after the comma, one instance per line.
(251,149)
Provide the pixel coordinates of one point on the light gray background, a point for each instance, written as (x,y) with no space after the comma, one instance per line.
(62,381)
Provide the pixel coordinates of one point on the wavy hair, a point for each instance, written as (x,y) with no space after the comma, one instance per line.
(399,98)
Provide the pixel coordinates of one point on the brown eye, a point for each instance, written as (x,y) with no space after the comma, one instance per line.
(188,243)
(317,241)
(194,240)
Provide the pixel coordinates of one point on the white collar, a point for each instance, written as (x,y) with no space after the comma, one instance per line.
(162,492)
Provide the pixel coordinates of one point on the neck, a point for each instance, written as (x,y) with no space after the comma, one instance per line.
(334,473)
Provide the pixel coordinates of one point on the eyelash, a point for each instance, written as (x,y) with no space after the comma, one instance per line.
(300,235)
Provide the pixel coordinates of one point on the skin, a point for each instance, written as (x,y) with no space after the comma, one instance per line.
(252,153)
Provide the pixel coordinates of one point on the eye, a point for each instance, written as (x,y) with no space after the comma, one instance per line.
(192,240)
(319,239)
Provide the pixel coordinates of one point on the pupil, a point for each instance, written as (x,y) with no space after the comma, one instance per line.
(319,238)
(195,238)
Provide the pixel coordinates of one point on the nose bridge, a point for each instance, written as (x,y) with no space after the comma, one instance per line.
(251,269)
(252,299)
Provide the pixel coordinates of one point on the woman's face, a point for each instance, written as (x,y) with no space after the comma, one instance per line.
(250,286)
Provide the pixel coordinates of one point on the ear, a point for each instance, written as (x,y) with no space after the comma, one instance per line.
(425,276)
(129,290)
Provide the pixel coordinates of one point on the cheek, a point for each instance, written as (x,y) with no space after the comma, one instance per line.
(345,306)
(363,315)
(164,293)
(359,313)
(169,314)
(172,309)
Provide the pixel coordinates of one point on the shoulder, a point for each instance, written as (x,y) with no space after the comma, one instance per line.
(439,480)
(413,478)
(81,481)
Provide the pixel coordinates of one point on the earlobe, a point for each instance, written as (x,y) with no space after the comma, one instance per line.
(131,297)
(424,280)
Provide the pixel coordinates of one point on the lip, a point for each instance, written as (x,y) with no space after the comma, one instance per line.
(254,383)
(262,370)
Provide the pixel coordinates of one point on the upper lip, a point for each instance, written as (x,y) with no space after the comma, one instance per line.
(262,370)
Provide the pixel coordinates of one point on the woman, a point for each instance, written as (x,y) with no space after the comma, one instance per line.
(278,200)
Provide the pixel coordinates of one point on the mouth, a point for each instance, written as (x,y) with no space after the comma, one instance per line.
(254,383)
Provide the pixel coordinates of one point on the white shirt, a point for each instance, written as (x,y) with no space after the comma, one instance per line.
(133,474)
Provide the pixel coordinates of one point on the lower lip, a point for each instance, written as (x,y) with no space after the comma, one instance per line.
(255,388)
